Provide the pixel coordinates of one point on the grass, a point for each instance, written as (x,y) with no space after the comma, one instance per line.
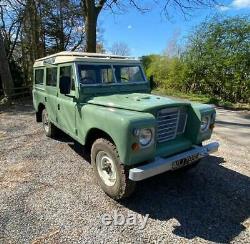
(201,98)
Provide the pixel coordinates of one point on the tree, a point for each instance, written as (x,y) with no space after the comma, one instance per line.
(35,28)
(218,59)
(5,74)
(168,71)
(63,33)
(120,48)
(91,10)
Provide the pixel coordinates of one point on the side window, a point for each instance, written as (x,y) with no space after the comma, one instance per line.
(51,76)
(66,73)
(39,73)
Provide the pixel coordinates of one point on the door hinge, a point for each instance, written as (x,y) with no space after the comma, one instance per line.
(76,131)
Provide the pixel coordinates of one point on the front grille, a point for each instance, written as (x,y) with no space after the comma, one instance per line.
(170,123)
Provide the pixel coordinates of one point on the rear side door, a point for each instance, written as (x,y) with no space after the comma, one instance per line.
(51,93)
(66,104)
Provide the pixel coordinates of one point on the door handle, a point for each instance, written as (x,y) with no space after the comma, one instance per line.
(58,106)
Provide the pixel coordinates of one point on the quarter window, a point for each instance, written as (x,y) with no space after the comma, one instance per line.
(51,76)
(39,74)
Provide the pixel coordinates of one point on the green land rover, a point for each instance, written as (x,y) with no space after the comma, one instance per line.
(104,103)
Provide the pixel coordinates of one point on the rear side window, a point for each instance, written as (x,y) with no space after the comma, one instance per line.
(51,76)
(39,74)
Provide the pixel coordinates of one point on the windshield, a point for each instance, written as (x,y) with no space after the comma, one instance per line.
(128,73)
(104,74)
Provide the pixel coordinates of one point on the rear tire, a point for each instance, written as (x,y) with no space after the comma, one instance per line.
(111,174)
(49,128)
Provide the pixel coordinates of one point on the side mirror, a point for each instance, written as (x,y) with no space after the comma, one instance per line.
(152,82)
(65,85)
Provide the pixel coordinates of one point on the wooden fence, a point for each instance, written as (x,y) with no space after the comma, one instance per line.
(18,92)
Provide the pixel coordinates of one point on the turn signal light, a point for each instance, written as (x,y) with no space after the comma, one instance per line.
(135,147)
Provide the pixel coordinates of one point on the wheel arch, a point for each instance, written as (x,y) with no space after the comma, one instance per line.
(40,108)
(95,133)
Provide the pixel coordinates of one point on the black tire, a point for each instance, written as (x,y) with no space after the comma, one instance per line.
(122,186)
(49,128)
(188,167)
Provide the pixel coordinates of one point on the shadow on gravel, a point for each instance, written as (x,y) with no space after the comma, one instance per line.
(232,123)
(22,108)
(74,145)
(209,202)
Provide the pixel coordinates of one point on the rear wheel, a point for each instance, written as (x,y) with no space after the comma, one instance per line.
(49,128)
(111,175)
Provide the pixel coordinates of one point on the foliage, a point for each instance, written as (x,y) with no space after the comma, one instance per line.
(218,59)
(216,62)
(168,72)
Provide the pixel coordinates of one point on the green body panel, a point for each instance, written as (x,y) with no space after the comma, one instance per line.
(51,102)
(135,101)
(118,124)
(179,144)
(117,110)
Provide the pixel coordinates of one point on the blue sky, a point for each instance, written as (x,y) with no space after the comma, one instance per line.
(151,32)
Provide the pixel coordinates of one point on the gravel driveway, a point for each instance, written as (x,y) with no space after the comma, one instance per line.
(48,193)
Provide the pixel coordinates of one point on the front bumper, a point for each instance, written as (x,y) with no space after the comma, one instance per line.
(160,165)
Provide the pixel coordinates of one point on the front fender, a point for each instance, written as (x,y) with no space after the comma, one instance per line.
(118,124)
(197,110)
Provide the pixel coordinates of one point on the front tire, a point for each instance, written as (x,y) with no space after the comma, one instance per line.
(49,128)
(111,174)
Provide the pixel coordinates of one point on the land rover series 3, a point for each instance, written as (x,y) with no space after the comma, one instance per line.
(104,102)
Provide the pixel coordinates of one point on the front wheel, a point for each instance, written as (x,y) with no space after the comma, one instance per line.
(49,128)
(111,175)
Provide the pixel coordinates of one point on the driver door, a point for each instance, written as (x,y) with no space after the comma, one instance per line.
(66,104)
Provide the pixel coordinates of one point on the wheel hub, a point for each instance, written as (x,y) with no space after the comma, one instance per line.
(106,168)
(45,121)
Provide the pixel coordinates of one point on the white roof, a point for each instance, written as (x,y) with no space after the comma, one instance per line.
(65,57)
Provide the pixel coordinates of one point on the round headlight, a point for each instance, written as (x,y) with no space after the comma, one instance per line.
(204,123)
(145,137)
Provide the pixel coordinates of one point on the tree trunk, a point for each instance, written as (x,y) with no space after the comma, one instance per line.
(90,16)
(5,74)
(91,25)
(61,28)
